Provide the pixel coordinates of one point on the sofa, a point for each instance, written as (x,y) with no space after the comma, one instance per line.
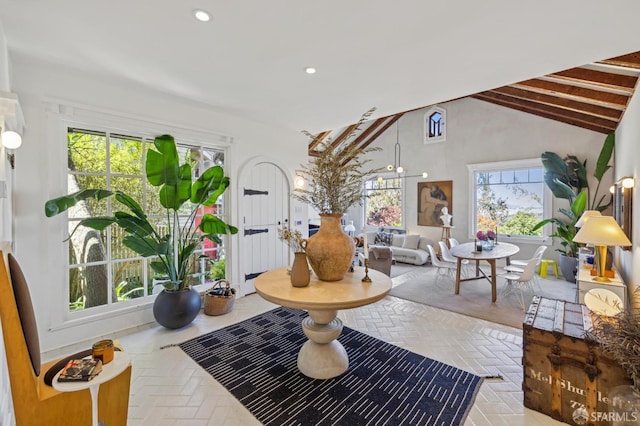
(406,248)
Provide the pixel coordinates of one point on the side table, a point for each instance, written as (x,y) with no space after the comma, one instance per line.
(121,361)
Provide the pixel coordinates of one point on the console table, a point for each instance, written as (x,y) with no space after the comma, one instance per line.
(586,283)
(322,356)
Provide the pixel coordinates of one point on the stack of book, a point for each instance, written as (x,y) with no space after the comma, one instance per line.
(80,370)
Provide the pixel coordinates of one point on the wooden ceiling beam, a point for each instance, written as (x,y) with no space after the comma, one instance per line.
(568,104)
(631,60)
(377,134)
(584,94)
(362,136)
(598,78)
(576,119)
(318,139)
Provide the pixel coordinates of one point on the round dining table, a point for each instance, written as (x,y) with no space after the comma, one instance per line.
(468,251)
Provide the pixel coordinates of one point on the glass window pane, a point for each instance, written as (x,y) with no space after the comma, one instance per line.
(92,282)
(90,207)
(512,205)
(86,152)
(383,203)
(522,175)
(126,156)
(128,280)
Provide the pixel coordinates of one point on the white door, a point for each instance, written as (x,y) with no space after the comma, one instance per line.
(264,208)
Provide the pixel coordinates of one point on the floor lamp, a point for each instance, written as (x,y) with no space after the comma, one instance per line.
(601,231)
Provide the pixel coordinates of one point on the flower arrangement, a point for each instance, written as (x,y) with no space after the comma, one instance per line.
(293,239)
(484,236)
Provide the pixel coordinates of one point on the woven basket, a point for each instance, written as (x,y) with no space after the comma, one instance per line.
(216,303)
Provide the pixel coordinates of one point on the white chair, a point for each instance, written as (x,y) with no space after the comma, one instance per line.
(453,242)
(444,268)
(520,281)
(449,258)
(517,265)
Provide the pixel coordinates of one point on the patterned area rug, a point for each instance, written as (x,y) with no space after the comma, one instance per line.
(385,384)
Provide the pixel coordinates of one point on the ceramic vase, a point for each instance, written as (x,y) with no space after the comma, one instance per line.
(300,270)
(330,251)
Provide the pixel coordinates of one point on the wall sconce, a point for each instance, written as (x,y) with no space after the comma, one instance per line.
(11,140)
(298,182)
(625,182)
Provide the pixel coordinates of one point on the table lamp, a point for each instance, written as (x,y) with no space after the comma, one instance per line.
(585,217)
(601,231)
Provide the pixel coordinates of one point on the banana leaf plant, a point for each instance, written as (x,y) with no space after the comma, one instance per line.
(173,250)
(567,179)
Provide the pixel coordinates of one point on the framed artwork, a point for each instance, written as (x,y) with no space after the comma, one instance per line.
(622,201)
(432,197)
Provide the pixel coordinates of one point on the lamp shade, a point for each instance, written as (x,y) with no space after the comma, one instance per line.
(602,230)
(585,216)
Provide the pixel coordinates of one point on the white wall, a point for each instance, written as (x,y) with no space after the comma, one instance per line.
(627,163)
(479,132)
(40,161)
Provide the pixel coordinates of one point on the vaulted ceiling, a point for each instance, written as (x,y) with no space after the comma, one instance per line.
(593,96)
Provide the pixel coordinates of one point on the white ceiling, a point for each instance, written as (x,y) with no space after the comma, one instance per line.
(249,59)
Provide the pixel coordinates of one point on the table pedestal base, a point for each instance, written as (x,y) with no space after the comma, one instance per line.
(322,356)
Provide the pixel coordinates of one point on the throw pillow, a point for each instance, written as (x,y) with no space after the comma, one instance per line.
(397,240)
(411,241)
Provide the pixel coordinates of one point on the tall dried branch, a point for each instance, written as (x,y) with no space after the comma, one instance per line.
(333,187)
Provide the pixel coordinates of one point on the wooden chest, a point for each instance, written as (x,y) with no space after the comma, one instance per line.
(564,371)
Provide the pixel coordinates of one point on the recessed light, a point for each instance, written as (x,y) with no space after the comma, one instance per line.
(310,70)
(201,15)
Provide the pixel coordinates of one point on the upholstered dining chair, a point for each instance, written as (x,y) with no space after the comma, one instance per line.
(34,402)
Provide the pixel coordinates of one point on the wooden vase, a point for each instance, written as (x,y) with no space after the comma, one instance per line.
(330,251)
(300,270)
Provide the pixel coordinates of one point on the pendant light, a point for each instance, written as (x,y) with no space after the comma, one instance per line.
(396,159)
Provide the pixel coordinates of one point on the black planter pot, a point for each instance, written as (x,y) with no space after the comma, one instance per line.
(569,267)
(175,309)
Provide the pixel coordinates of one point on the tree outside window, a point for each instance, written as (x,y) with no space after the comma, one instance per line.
(383,202)
(509,197)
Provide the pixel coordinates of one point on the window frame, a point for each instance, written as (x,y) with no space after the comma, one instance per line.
(385,176)
(547,198)
(65,117)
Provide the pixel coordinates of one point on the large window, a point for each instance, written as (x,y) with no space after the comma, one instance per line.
(102,271)
(383,202)
(509,196)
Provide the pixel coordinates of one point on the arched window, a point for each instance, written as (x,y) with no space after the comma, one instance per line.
(435,126)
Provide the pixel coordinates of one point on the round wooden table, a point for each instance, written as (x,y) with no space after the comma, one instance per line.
(322,356)
(467,251)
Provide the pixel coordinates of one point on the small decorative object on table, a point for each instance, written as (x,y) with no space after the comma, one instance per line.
(220,299)
(300,275)
(80,370)
(103,350)
(486,239)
